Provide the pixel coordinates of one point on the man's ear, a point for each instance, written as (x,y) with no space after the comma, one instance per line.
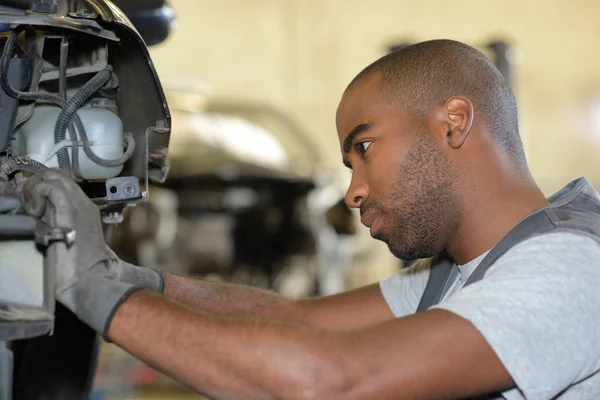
(459,115)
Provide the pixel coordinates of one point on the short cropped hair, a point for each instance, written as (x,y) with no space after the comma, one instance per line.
(422,76)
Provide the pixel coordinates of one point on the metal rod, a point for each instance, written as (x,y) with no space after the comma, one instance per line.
(6,372)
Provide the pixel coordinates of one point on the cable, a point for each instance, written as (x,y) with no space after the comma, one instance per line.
(5,64)
(70,110)
(63,155)
(20,164)
(129,140)
(62,91)
(57,146)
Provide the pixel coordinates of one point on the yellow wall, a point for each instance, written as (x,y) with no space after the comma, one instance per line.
(300,54)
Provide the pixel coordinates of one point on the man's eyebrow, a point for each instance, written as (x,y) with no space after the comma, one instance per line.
(347,163)
(355,132)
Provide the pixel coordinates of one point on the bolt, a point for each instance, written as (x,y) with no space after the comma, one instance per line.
(129,190)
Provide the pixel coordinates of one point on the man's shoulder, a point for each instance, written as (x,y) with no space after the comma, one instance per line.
(539,301)
(560,242)
(551,253)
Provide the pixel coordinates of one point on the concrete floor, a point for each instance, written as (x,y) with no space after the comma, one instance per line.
(154,394)
(165,395)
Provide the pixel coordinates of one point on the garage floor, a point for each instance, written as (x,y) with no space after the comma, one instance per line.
(150,394)
(164,395)
(120,376)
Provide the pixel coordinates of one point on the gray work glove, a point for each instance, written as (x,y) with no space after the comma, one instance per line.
(90,279)
(144,277)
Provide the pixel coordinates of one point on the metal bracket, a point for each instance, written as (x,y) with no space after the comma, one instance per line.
(123,188)
(120,192)
(146,193)
(126,191)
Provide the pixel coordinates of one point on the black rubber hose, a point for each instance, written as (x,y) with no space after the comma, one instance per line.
(62,92)
(20,164)
(63,154)
(19,76)
(70,110)
(5,64)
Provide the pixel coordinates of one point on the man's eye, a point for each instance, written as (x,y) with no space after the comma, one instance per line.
(363,146)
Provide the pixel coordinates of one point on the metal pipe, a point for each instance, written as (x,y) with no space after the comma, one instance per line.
(17,225)
(6,372)
(8,203)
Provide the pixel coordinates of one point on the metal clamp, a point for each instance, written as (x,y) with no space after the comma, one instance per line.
(46,235)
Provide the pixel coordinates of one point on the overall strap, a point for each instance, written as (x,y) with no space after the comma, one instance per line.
(441,274)
(534,224)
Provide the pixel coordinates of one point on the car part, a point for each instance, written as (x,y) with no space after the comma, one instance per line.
(80,92)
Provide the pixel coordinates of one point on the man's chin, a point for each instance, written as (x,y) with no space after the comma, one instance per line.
(380,236)
(407,254)
(401,253)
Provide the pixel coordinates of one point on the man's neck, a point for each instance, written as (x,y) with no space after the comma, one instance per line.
(488,218)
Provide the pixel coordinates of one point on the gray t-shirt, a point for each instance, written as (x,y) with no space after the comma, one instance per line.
(538,307)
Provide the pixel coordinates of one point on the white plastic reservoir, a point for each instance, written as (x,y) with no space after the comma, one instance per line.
(104,129)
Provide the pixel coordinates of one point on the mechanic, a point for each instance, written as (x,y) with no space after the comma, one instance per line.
(430,133)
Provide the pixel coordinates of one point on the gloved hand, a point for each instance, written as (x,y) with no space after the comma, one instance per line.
(90,279)
(144,277)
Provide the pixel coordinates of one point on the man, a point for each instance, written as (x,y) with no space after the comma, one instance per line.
(430,133)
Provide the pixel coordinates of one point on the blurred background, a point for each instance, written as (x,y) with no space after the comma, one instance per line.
(256,184)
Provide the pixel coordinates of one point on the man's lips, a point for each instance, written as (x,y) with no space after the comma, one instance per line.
(370,219)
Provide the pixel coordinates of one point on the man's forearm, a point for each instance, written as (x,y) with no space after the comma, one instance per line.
(339,312)
(225,357)
(231,299)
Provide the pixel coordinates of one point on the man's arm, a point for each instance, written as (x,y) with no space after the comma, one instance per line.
(435,354)
(351,310)
(432,355)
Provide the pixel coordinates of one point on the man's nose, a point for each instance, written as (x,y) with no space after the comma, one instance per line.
(357,191)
